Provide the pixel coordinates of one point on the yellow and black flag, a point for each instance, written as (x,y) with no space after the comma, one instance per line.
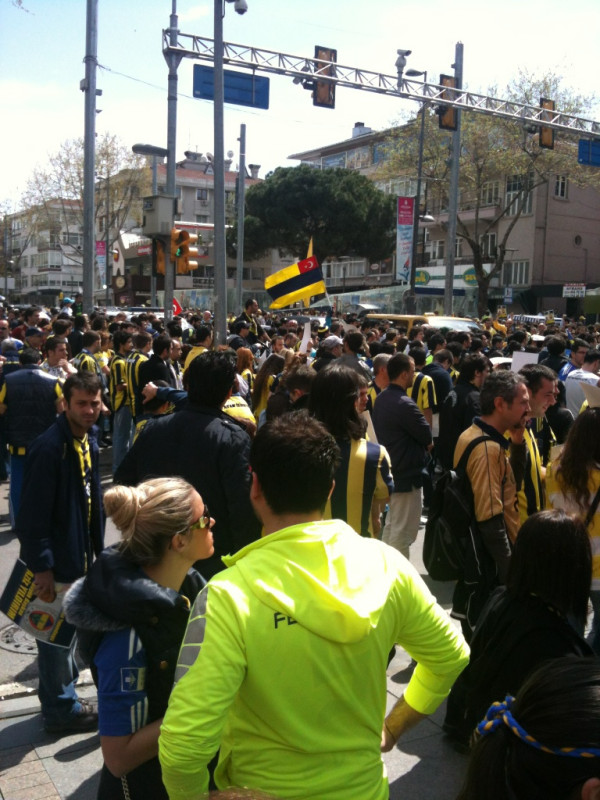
(297,282)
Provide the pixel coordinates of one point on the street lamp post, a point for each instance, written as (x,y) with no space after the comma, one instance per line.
(220,265)
(107,269)
(417,210)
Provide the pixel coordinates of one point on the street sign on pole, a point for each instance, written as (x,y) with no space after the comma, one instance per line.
(589,152)
(240,88)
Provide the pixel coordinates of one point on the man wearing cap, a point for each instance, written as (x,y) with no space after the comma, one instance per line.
(330,348)
(34,338)
(66,306)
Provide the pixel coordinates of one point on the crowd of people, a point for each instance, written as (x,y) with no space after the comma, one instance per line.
(268,492)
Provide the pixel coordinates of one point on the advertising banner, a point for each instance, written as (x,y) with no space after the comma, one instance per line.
(404,238)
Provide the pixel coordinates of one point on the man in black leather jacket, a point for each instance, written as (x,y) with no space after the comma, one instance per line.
(208,449)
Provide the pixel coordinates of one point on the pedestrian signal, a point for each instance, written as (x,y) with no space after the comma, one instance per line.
(158,253)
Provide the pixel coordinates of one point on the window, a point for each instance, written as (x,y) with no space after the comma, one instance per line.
(76,239)
(401,187)
(490,193)
(202,194)
(230,198)
(561,187)
(436,249)
(488,245)
(201,217)
(515,185)
(515,273)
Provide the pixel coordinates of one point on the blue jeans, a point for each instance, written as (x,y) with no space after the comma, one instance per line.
(594,634)
(17,471)
(121,438)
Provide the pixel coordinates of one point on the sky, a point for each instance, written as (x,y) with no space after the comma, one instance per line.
(42,46)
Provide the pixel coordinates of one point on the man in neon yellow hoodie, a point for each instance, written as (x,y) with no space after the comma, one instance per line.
(284,659)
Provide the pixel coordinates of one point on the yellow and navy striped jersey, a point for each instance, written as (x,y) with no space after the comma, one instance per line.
(82,448)
(422,391)
(544,436)
(374,390)
(86,362)
(248,376)
(118,375)
(364,475)
(134,397)
(195,351)
(530,494)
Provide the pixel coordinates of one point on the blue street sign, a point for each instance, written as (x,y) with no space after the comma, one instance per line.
(240,88)
(589,152)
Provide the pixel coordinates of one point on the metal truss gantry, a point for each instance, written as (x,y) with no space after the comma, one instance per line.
(304,69)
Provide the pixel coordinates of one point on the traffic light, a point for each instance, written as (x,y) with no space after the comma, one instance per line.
(177,238)
(187,254)
(158,256)
(447,114)
(546,134)
(324,91)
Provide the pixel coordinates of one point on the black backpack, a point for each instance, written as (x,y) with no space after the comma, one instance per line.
(450,521)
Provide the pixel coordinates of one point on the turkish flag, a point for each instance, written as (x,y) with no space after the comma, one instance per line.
(308,264)
(177,309)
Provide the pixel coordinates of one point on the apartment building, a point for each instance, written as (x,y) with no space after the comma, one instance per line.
(555,241)
(45,245)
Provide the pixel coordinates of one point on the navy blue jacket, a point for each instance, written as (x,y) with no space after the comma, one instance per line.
(30,404)
(52,524)
(405,433)
(441,380)
(209,450)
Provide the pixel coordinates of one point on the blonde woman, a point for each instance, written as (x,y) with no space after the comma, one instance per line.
(131,612)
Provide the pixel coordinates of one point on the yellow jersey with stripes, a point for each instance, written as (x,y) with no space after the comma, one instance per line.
(134,397)
(530,494)
(117,377)
(86,362)
(372,394)
(422,391)
(84,459)
(364,475)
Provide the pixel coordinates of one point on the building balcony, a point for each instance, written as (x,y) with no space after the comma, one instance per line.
(467,212)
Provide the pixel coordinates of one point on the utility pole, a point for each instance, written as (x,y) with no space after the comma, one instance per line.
(88,86)
(220,296)
(241,199)
(173,60)
(108,262)
(453,191)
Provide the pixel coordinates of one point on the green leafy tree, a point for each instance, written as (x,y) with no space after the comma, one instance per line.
(343,212)
(493,150)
